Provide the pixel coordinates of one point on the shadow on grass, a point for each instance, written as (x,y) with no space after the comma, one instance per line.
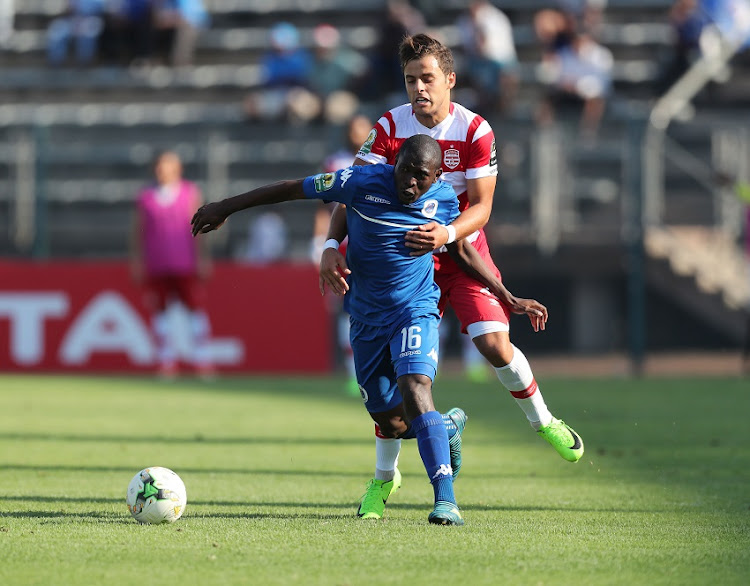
(182,469)
(126,519)
(62,500)
(347,506)
(196,439)
(88,516)
(84,468)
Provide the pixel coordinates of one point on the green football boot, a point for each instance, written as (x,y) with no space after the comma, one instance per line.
(372,503)
(458,417)
(445,513)
(564,439)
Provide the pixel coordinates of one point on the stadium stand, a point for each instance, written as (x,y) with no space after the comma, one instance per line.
(111,119)
(88,134)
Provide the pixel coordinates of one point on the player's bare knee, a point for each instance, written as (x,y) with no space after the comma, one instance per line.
(393,428)
(390,424)
(496,348)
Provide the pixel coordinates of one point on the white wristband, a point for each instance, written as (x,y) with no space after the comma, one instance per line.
(451,233)
(331,243)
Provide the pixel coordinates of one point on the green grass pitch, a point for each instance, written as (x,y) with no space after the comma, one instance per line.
(274,469)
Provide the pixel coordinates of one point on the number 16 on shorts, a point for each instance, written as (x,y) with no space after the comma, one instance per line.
(417,343)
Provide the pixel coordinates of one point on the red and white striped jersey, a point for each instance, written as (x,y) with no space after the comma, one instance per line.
(468,146)
(466,139)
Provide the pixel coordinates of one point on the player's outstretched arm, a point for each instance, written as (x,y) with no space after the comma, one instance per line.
(212,215)
(467,257)
(333,268)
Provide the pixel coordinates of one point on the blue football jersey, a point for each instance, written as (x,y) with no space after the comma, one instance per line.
(386,283)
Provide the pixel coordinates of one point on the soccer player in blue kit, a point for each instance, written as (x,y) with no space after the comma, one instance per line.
(393,298)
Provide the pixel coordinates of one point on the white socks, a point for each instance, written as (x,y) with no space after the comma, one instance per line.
(519,380)
(386,457)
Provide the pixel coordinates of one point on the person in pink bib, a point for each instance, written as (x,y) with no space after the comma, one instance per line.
(171,265)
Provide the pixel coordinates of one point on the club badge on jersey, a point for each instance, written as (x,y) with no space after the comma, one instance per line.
(451,158)
(324,181)
(367,146)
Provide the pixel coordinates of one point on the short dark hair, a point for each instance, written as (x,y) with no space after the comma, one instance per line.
(423,147)
(421,45)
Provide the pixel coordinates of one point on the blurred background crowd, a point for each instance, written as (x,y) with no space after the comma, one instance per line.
(623,129)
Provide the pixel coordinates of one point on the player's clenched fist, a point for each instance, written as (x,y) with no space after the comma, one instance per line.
(208,217)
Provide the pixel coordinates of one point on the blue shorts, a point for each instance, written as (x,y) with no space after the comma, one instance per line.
(384,353)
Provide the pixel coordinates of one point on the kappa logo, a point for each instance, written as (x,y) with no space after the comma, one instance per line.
(324,181)
(345,174)
(432,354)
(367,146)
(430,208)
(493,300)
(451,158)
(443,471)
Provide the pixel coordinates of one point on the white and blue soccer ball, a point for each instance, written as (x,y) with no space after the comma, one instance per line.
(156,495)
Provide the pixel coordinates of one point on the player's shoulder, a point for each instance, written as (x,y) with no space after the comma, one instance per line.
(377,170)
(362,174)
(395,117)
(402,111)
(444,190)
(461,112)
(473,122)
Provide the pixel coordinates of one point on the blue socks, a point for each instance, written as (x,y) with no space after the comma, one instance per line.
(450,427)
(432,441)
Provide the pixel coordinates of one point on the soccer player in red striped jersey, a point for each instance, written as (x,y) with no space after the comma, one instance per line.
(483,307)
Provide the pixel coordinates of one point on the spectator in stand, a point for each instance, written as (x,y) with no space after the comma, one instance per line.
(554,30)
(129,34)
(357,130)
(285,77)
(82,23)
(179,22)
(401,19)
(335,74)
(687,21)
(7,14)
(170,264)
(492,64)
(585,15)
(577,71)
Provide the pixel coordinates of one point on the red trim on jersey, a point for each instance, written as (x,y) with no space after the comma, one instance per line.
(377,432)
(527,392)
(473,128)
(389,143)
(480,148)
